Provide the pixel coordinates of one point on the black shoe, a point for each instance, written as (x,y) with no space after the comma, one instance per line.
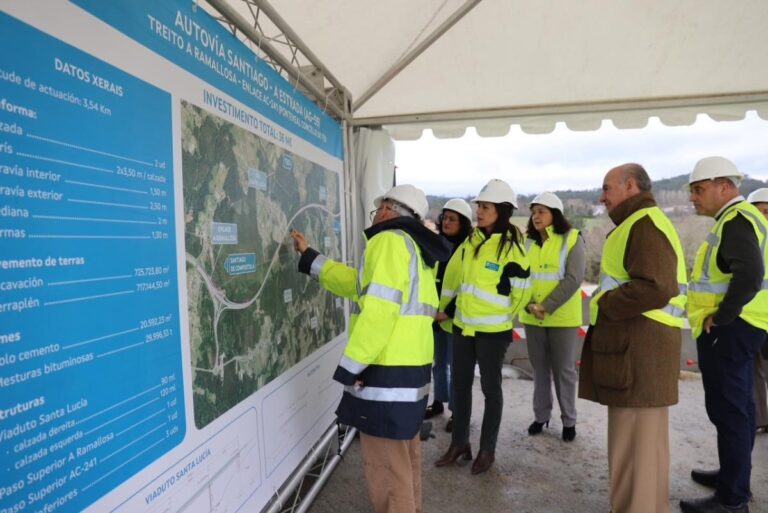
(569,433)
(536,427)
(449,425)
(436,408)
(706,478)
(425,433)
(711,505)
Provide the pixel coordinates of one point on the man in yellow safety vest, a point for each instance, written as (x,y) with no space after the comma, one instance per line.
(728,312)
(387,361)
(631,355)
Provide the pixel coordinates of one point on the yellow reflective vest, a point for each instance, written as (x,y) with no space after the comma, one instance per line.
(446,325)
(548,263)
(709,284)
(489,290)
(613,274)
(390,346)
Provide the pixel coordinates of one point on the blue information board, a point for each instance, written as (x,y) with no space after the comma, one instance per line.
(195,41)
(90,352)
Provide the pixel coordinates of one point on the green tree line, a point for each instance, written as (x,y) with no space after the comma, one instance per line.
(584,211)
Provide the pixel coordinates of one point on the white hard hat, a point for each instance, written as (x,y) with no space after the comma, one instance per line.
(497,191)
(548,199)
(715,167)
(759,196)
(460,206)
(408,195)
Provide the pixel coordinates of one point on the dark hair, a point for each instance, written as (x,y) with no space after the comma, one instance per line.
(465,227)
(510,234)
(560,224)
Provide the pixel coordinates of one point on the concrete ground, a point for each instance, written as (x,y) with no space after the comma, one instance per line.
(543,474)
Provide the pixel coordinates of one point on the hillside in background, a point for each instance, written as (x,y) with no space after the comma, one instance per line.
(584,211)
(669,192)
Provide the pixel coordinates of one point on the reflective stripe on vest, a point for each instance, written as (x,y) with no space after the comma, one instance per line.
(383,292)
(520,283)
(449,293)
(479,293)
(317,264)
(549,268)
(760,226)
(607,283)
(713,288)
(483,321)
(711,284)
(354,309)
(401,395)
(352,366)
(713,240)
(496,299)
(479,305)
(560,274)
(413,306)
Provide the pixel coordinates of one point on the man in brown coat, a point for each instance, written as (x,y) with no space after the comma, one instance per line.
(631,355)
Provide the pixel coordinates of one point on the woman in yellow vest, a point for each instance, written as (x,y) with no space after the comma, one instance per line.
(454,224)
(551,319)
(485,285)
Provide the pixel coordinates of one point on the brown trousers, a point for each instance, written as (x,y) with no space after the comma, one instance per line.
(638,459)
(393,472)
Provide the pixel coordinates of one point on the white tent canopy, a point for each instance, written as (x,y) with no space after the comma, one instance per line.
(493,63)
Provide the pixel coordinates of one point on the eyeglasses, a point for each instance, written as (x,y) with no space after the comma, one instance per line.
(382,207)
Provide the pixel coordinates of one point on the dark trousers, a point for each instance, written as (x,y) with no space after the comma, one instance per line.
(726,354)
(441,368)
(488,353)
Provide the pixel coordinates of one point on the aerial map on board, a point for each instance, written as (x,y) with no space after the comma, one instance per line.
(252,316)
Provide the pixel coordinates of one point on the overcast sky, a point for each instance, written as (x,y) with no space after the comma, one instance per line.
(577,160)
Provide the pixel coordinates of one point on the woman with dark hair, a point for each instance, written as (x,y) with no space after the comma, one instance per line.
(454,225)
(486,283)
(551,319)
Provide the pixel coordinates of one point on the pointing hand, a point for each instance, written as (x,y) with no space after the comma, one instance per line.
(300,243)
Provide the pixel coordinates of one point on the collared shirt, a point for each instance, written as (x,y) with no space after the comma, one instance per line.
(725,207)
